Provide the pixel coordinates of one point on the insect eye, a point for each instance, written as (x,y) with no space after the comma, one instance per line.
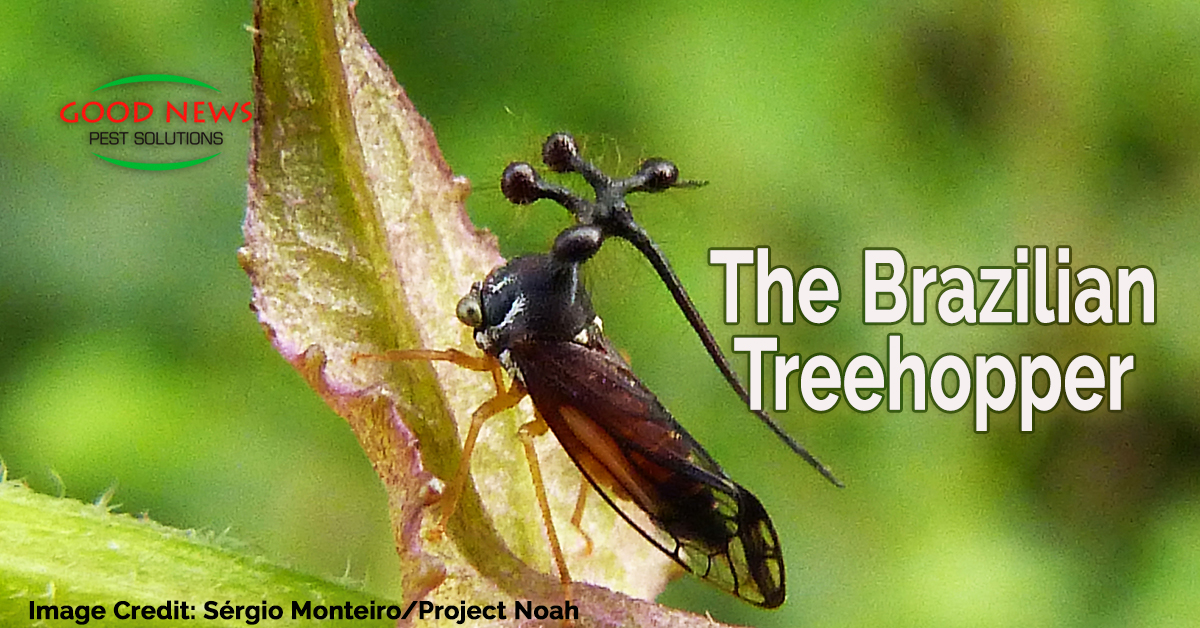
(559,152)
(658,174)
(469,311)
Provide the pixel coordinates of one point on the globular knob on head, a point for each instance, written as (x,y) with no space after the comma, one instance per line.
(658,174)
(578,244)
(520,183)
(559,152)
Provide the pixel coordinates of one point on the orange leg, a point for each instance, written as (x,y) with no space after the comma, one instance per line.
(482,363)
(577,516)
(526,434)
(503,400)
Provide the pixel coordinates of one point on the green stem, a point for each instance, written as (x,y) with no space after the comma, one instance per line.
(62,552)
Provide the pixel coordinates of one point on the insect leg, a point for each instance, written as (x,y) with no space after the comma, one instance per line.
(526,434)
(503,400)
(577,516)
(482,363)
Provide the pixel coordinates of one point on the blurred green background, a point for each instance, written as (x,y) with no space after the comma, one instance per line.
(953,131)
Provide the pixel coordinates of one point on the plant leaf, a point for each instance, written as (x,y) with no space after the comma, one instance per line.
(65,552)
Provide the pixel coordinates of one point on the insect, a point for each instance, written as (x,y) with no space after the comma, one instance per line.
(610,214)
(533,318)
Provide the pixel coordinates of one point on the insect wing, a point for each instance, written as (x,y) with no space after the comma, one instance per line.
(632,450)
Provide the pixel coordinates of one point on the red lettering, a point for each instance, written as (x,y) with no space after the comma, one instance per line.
(98,118)
(110,108)
(217,114)
(197,111)
(182,116)
(246,110)
(63,113)
(137,106)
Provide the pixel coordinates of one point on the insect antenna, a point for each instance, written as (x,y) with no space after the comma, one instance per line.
(522,185)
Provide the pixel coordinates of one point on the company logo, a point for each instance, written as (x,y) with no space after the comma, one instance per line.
(175,126)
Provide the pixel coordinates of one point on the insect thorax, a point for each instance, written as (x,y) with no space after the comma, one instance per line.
(530,299)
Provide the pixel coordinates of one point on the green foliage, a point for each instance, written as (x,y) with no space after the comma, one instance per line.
(62,552)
